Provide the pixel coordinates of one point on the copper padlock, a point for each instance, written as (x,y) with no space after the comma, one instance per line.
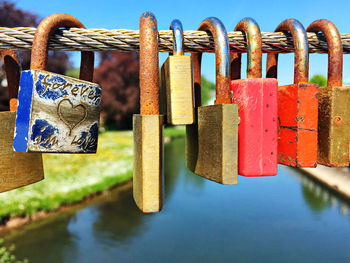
(16,169)
(57,113)
(148,126)
(333,108)
(177,82)
(297,103)
(211,142)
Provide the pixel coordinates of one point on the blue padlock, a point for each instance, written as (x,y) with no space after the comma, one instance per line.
(56,113)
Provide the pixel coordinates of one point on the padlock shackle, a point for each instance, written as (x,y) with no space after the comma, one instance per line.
(178,37)
(41,42)
(254,50)
(335,50)
(301,57)
(216,28)
(149,65)
(13,73)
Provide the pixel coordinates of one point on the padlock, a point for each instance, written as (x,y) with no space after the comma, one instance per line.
(333,108)
(177,82)
(211,142)
(56,113)
(148,126)
(16,169)
(257,101)
(297,104)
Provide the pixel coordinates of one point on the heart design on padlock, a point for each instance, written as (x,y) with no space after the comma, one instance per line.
(71,115)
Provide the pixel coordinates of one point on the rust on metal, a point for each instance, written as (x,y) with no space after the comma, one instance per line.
(337,120)
(41,41)
(254,50)
(222,61)
(13,73)
(301,59)
(236,61)
(335,50)
(149,65)
(196,63)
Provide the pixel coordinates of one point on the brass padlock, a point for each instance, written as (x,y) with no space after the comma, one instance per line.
(333,108)
(212,141)
(148,126)
(57,113)
(16,169)
(177,82)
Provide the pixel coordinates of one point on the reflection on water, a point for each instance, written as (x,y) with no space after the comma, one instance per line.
(318,197)
(286,218)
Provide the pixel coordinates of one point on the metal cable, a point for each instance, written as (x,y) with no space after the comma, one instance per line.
(77,39)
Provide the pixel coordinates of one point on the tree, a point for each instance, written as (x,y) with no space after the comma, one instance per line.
(118,74)
(208,90)
(11,16)
(319,79)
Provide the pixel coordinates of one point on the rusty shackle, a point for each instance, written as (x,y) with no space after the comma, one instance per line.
(301,53)
(178,35)
(41,42)
(335,50)
(13,73)
(254,50)
(222,60)
(149,65)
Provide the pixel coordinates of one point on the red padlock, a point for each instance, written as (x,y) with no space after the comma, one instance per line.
(257,101)
(297,104)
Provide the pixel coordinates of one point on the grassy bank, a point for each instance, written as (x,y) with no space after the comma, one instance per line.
(71,177)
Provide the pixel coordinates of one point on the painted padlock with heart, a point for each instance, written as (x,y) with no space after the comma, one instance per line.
(57,113)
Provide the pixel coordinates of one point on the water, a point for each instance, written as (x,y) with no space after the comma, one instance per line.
(286,218)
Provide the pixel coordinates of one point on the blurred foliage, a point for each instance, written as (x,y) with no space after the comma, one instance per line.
(319,79)
(207,90)
(73,72)
(69,178)
(11,16)
(7,256)
(174,132)
(118,74)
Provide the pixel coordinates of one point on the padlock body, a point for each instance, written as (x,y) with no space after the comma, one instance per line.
(177,83)
(211,143)
(298,118)
(257,129)
(16,169)
(148,162)
(334,126)
(56,113)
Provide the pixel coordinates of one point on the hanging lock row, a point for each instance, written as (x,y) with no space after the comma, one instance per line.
(254,125)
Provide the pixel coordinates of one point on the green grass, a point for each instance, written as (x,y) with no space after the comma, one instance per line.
(173,132)
(71,177)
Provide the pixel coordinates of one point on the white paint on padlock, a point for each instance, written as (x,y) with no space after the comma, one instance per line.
(56,113)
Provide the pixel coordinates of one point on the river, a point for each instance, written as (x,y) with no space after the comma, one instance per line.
(285,218)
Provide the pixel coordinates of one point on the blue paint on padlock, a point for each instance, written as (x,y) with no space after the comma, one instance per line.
(43,133)
(22,120)
(57,113)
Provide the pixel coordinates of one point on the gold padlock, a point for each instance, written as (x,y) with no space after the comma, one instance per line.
(212,141)
(177,82)
(333,108)
(16,169)
(148,126)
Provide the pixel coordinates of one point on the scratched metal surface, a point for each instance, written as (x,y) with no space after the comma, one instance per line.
(64,114)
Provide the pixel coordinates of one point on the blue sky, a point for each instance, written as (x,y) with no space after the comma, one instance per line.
(125,14)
